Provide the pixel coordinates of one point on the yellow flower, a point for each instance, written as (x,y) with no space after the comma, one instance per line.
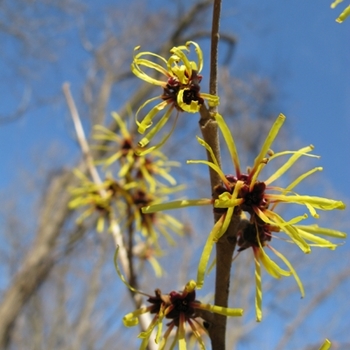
(344,14)
(178,308)
(132,165)
(244,193)
(152,225)
(88,195)
(260,198)
(181,89)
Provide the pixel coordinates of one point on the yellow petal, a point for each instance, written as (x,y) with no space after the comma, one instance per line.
(212,100)
(326,345)
(156,266)
(318,241)
(314,201)
(203,262)
(295,275)
(216,168)
(344,15)
(226,223)
(190,286)
(181,333)
(199,54)
(226,133)
(301,178)
(122,126)
(161,143)
(289,163)
(336,3)
(322,231)
(220,310)
(290,230)
(176,205)
(269,140)
(271,267)
(131,319)
(100,224)
(258,291)
(148,121)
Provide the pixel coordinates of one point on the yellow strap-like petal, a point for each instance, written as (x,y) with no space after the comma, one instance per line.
(315,229)
(336,3)
(326,345)
(318,241)
(287,165)
(314,201)
(226,223)
(268,141)
(344,15)
(220,310)
(295,275)
(214,167)
(270,266)
(258,291)
(290,230)
(156,128)
(142,126)
(176,205)
(226,133)
(302,177)
(212,100)
(203,262)
(147,120)
(199,54)
(181,332)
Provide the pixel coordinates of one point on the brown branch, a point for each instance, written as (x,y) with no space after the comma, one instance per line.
(226,245)
(224,251)
(215,36)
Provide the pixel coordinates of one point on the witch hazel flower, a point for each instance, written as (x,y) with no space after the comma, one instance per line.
(180,89)
(121,147)
(243,194)
(178,309)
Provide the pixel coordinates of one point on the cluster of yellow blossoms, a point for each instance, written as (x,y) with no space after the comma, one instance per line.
(240,194)
(140,181)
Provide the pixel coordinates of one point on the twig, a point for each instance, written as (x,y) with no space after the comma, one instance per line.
(227,243)
(81,137)
(215,36)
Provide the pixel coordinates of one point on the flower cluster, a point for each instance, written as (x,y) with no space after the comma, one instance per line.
(180,89)
(132,165)
(89,196)
(120,199)
(179,309)
(244,194)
